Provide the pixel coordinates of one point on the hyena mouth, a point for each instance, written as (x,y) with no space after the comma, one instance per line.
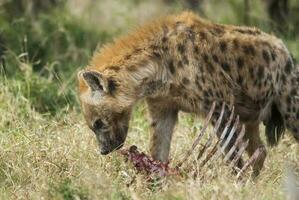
(106,150)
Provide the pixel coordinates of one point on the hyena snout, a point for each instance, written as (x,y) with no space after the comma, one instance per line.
(106,149)
(108,145)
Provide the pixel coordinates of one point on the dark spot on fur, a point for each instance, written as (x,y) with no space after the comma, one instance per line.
(197,82)
(283,78)
(153,124)
(215,58)
(211,93)
(205,57)
(266,56)
(132,68)
(260,73)
(240,31)
(200,67)
(156,54)
(181,48)
(165,48)
(207,102)
(185,60)
(151,87)
(203,80)
(273,55)
(225,66)
(174,90)
(249,49)
(210,68)
(251,71)
(185,95)
(190,34)
(186,81)
(293,109)
(240,62)
(289,100)
(115,68)
(164,39)
(217,31)
(293,92)
(196,50)
(137,50)
(240,80)
(206,94)
(295,130)
(171,67)
(111,85)
(127,57)
(154,47)
(235,44)
(269,77)
(203,35)
(180,64)
(223,46)
(288,66)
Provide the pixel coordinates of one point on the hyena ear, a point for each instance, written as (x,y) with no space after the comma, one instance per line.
(97,82)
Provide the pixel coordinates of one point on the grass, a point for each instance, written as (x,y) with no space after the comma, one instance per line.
(47,151)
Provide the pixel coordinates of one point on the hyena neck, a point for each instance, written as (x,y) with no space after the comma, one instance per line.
(149,79)
(150,82)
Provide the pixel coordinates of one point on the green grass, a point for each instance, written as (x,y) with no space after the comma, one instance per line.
(47,151)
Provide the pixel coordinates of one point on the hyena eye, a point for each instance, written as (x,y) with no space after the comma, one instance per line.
(98,124)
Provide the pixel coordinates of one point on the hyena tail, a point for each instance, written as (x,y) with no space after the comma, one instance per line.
(275,126)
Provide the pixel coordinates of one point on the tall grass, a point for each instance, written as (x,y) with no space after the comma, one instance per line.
(47,151)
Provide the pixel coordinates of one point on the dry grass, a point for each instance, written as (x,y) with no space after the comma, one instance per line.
(58,159)
(54,156)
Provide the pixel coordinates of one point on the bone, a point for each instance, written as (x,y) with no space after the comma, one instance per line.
(210,151)
(255,156)
(197,140)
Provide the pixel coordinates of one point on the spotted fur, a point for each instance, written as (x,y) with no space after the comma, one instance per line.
(184,63)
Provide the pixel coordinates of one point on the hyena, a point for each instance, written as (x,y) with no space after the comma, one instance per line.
(185,63)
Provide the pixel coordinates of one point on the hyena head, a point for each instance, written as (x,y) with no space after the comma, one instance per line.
(106,114)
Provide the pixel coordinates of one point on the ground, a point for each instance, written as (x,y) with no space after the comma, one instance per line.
(47,151)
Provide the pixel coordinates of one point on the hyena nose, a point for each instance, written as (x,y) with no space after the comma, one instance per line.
(104,151)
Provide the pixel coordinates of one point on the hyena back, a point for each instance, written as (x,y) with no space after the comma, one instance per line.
(184,63)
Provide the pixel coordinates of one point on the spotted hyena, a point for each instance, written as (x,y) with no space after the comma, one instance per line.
(184,63)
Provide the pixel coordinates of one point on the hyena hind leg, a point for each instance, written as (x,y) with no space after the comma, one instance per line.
(253,135)
(163,119)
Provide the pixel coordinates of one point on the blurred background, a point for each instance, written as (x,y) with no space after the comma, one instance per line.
(46,149)
(43,43)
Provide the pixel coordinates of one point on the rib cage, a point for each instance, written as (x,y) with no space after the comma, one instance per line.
(217,150)
(208,153)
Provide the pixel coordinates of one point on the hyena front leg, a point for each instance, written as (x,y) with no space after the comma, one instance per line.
(253,135)
(163,119)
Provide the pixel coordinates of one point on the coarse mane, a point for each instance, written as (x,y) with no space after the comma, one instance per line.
(142,35)
(125,45)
